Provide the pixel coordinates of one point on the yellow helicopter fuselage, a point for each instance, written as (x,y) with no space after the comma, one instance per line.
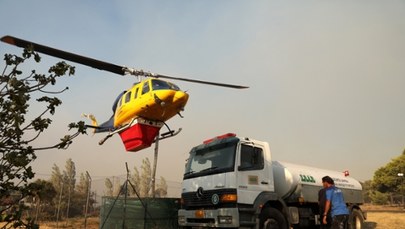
(152,99)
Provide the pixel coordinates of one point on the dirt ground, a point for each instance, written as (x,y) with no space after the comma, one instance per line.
(378,217)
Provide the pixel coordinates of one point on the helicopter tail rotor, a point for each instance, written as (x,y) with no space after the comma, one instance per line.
(93,120)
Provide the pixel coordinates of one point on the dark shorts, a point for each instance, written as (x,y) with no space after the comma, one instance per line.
(340,221)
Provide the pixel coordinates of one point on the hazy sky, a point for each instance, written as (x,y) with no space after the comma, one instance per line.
(326,77)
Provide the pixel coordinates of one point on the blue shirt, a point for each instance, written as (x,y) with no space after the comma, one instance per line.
(338,205)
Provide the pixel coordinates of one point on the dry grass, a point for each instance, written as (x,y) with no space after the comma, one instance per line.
(382,217)
(384,220)
(92,223)
(75,223)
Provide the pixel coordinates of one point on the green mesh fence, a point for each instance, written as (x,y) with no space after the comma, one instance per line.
(159,213)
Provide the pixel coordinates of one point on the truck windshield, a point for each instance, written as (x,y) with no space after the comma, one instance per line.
(211,160)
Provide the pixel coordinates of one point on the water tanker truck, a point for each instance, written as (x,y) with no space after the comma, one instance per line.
(232,182)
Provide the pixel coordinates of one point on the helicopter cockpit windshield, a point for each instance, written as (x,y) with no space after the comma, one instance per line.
(163,85)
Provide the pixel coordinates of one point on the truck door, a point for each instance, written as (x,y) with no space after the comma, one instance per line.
(253,175)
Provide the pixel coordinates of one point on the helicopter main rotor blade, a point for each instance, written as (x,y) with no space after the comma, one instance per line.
(102,65)
(200,81)
(65,55)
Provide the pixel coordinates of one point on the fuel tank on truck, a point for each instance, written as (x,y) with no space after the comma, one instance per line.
(297,182)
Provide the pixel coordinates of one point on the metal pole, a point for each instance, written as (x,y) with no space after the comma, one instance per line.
(401,175)
(88,198)
(125,197)
(154,166)
(145,215)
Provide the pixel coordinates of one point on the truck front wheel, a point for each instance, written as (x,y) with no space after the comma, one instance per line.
(271,218)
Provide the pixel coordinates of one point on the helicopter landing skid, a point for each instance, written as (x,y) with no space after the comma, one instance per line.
(109,135)
(169,134)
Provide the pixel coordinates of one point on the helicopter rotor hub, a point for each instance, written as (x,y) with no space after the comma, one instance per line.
(138,72)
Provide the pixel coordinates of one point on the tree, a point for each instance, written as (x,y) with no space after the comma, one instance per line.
(56,178)
(69,174)
(386,179)
(146,175)
(71,199)
(141,182)
(83,190)
(113,186)
(117,186)
(57,183)
(161,190)
(69,180)
(379,198)
(136,182)
(43,194)
(367,190)
(110,187)
(19,135)
(83,185)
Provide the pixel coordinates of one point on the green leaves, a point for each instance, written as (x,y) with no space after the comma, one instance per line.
(29,51)
(13,60)
(52,103)
(61,69)
(40,124)
(17,134)
(80,126)
(386,178)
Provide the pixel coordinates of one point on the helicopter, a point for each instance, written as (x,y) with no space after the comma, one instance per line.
(139,112)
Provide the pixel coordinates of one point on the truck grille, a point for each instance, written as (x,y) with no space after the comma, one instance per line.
(204,199)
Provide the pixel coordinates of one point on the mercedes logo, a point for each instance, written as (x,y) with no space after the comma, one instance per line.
(200,192)
(215,199)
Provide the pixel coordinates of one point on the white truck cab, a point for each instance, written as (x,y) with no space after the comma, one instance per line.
(231,182)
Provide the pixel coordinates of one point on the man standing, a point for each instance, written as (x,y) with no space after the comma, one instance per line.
(335,202)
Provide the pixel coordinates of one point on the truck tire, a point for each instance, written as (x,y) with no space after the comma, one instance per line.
(356,220)
(271,218)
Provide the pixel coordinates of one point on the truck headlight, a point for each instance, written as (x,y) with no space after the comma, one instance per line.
(181,220)
(224,219)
